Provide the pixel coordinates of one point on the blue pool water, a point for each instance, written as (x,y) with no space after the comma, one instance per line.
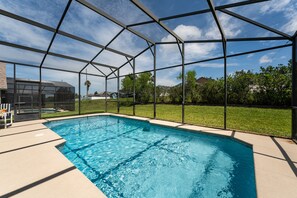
(130,158)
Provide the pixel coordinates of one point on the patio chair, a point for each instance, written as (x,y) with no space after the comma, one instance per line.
(5,114)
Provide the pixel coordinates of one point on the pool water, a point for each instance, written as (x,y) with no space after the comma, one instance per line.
(131,158)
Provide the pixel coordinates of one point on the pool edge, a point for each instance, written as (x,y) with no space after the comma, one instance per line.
(274,177)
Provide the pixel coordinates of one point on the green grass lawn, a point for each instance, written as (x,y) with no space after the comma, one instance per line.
(87,106)
(276,122)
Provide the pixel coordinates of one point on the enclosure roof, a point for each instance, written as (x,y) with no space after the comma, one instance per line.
(60,39)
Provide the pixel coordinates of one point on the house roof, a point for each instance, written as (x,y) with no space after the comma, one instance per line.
(102,94)
(202,80)
(48,83)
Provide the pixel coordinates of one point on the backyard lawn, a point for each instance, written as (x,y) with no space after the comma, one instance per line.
(276,122)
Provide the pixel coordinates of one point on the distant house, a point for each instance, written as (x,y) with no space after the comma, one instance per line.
(164,90)
(254,88)
(99,96)
(54,94)
(202,80)
(24,93)
(114,95)
(199,81)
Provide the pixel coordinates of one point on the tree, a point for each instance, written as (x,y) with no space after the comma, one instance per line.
(144,87)
(127,84)
(175,94)
(270,86)
(162,94)
(192,94)
(212,92)
(275,85)
(88,84)
(241,86)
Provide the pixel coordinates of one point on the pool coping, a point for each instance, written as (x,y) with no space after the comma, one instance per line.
(275,160)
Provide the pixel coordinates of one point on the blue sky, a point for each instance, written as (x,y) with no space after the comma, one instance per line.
(85,23)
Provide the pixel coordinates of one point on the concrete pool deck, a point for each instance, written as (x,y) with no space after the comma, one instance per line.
(31,166)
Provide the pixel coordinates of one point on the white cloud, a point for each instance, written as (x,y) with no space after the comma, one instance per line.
(250,55)
(274,6)
(268,10)
(121,10)
(291,26)
(216,65)
(265,59)
(88,24)
(168,77)
(291,15)
(194,51)
(129,43)
(21,33)
(197,51)
(47,12)
(287,8)
(283,57)
(70,47)
(231,27)
(144,62)
(185,32)
(110,58)
(61,63)
(20,56)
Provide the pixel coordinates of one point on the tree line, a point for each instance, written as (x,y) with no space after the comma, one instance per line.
(271,86)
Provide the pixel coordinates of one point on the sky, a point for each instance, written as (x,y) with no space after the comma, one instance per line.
(85,23)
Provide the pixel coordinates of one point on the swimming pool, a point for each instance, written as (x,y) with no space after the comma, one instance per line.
(130,158)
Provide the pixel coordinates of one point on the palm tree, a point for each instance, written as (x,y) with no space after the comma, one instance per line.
(88,84)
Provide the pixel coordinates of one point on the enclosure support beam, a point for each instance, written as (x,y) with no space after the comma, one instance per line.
(154,18)
(232,5)
(98,69)
(56,31)
(79,94)
(105,94)
(155,86)
(225,84)
(49,68)
(134,86)
(224,43)
(107,16)
(48,28)
(272,38)
(182,53)
(39,93)
(256,23)
(118,90)
(14,91)
(294,87)
(212,59)
(52,54)
(183,82)
(118,34)
(128,61)
(212,8)
(113,73)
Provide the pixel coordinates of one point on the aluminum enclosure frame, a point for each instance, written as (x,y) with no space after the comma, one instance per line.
(115,70)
